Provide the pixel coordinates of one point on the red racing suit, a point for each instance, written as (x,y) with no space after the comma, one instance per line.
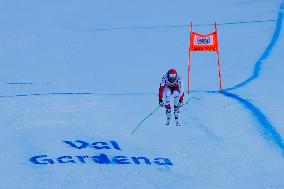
(167,88)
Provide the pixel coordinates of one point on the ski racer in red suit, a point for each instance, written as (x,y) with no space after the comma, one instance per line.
(171,84)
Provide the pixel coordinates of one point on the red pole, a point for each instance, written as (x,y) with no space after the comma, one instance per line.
(188,67)
(219,67)
(219,72)
(188,70)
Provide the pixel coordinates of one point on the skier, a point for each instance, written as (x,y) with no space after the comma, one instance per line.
(171,84)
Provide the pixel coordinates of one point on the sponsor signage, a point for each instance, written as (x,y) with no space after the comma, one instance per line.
(98,155)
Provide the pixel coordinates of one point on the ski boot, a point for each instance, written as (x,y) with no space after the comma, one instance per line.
(168,113)
(176,114)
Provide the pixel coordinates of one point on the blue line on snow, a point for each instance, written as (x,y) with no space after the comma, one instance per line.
(265,54)
(19,83)
(268,130)
(25,83)
(79,93)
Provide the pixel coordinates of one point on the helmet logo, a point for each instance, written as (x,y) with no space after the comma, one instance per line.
(172,75)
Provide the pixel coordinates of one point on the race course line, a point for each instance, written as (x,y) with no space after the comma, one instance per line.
(77,93)
(269,130)
(265,54)
(178,26)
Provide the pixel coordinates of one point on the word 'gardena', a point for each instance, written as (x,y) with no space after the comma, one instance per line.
(100,159)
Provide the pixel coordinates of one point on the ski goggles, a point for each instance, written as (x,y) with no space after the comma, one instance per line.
(172,77)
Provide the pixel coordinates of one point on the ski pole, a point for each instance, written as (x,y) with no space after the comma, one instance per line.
(185,103)
(145,119)
(188,100)
(195,98)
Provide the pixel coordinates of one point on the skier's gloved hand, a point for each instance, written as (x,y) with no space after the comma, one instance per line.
(161,103)
(180,104)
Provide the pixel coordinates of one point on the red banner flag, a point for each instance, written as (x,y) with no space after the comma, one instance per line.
(199,42)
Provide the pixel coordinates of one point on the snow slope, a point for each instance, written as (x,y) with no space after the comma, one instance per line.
(78,77)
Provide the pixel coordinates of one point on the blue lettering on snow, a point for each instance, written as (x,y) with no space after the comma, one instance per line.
(163,161)
(42,162)
(65,159)
(101,159)
(120,160)
(100,145)
(82,144)
(137,160)
(82,158)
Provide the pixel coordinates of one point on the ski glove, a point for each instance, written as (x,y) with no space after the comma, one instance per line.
(180,104)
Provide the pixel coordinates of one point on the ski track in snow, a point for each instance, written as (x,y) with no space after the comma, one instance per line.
(269,131)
